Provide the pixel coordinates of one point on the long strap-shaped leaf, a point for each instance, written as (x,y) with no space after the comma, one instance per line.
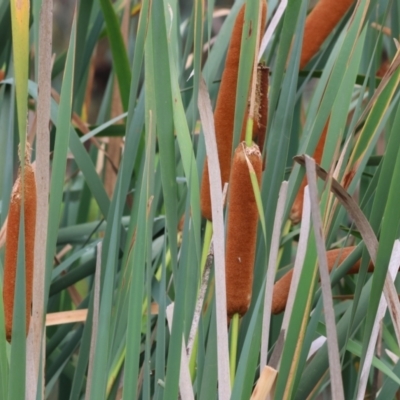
(219,243)
(20,35)
(120,58)
(34,343)
(333,347)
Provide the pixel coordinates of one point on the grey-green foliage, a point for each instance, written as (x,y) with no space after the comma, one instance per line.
(146,262)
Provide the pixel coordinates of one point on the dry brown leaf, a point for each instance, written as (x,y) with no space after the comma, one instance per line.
(264,384)
(66,317)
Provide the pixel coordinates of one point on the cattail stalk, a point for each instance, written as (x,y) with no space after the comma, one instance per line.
(23,193)
(241,229)
(319,24)
(224,114)
(334,257)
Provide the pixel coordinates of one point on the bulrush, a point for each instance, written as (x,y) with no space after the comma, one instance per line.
(335,257)
(241,229)
(224,114)
(26,191)
(319,24)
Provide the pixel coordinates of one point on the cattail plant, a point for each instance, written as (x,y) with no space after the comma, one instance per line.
(319,24)
(225,110)
(23,193)
(241,228)
(334,257)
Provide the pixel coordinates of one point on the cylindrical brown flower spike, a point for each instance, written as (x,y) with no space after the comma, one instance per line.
(28,192)
(319,24)
(224,114)
(335,257)
(241,229)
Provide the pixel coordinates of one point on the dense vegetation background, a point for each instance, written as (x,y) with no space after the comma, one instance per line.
(128,295)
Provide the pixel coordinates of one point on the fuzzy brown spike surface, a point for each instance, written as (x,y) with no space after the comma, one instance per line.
(335,257)
(241,229)
(11,251)
(319,24)
(224,114)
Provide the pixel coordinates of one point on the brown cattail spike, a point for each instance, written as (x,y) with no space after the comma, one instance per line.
(319,24)
(241,229)
(335,257)
(297,208)
(27,191)
(224,114)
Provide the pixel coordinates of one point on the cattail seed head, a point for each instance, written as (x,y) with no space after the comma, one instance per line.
(241,229)
(334,257)
(27,191)
(319,24)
